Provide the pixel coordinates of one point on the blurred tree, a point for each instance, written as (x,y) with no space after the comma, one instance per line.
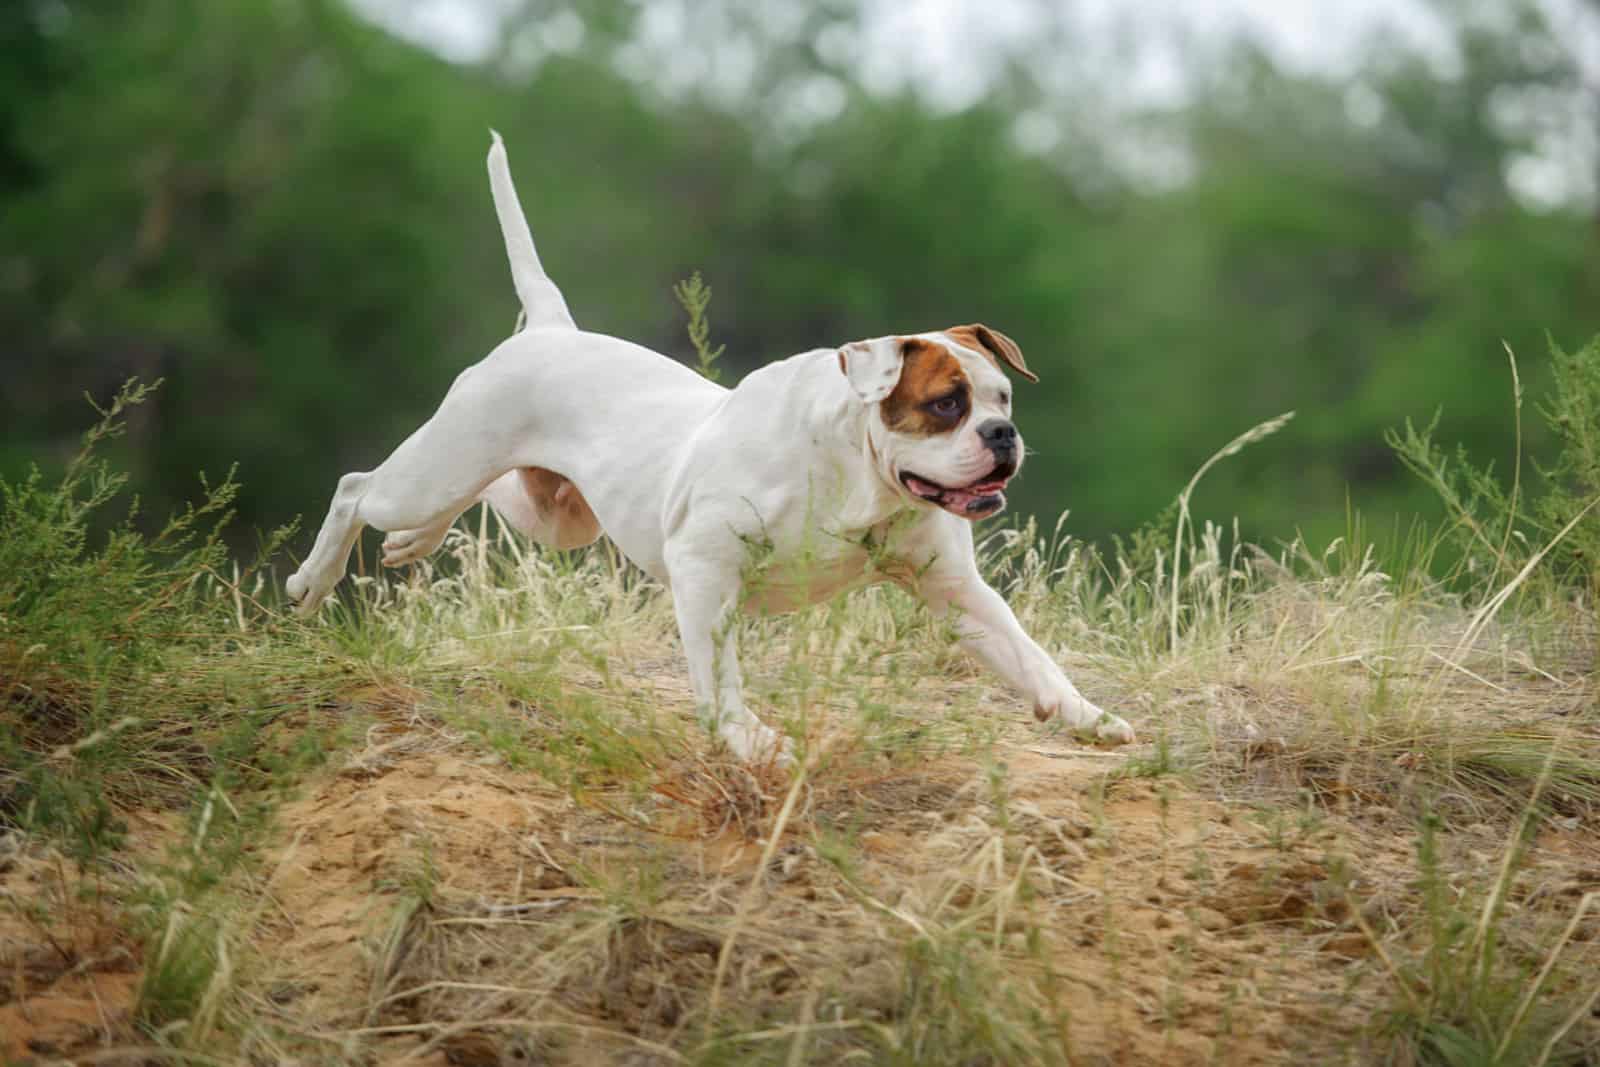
(282,210)
(1351,249)
(245,200)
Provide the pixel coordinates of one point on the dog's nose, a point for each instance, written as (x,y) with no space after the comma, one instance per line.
(998,434)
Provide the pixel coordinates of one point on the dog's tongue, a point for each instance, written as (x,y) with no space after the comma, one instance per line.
(974,498)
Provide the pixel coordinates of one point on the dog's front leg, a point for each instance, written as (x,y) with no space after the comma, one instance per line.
(705,597)
(989,630)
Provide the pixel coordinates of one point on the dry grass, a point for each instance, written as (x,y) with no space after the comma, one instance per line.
(1360,829)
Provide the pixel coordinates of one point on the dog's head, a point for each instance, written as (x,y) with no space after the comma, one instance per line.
(940,428)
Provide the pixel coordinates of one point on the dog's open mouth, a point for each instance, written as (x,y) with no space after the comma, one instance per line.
(984,497)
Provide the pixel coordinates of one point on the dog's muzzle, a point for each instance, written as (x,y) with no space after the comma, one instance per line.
(982,498)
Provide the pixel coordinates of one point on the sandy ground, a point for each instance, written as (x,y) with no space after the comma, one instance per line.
(418,897)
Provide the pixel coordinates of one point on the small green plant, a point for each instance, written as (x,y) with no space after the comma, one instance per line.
(695,296)
(1470,991)
(1573,480)
(1476,504)
(67,605)
(1185,524)
(100,627)
(194,926)
(1159,763)
(181,966)
(1499,531)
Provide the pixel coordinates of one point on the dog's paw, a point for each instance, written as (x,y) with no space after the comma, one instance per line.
(755,742)
(1086,722)
(1111,730)
(408,546)
(304,593)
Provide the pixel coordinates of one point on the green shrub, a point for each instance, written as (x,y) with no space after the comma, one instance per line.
(97,619)
(1496,531)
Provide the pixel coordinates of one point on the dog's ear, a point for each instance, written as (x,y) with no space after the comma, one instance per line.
(872,367)
(1002,348)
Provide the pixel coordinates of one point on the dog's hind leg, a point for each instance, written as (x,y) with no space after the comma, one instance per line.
(440,470)
(433,476)
(408,546)
(325,565)
(533,500)
(372,499)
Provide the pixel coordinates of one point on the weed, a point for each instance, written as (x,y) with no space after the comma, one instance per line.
(1495,529)
(695,296)
(1468,988)
(95,624)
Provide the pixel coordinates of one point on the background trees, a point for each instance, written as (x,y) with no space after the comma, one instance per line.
(280,208)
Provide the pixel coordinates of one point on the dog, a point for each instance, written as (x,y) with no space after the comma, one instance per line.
(834,468)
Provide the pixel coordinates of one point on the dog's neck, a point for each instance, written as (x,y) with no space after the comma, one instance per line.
(842,428)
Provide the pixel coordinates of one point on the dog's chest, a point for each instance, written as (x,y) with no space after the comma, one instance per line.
(826,563)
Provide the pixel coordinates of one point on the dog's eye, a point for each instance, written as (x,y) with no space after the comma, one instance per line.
(1005,398)
(946,406)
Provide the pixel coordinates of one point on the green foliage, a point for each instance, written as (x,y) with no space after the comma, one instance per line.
(90,624)
(183,962)
(181,261)
(1472,992)
(963,1003)
(695,296)
(1499,533)
(192,925)
(63,603)
(1573,478)
(1475,502)
(296,221)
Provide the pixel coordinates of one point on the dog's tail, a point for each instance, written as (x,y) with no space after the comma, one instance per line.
(542,302)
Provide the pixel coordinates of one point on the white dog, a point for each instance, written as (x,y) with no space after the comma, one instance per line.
(830,469)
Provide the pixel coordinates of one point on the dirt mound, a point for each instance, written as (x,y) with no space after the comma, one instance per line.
(449,905)
(393,825)
(422,902)
(68,975)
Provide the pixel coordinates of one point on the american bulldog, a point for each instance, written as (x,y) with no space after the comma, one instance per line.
(833,468)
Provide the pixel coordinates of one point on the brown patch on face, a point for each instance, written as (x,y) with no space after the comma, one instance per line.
(994,344)
(930,373)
